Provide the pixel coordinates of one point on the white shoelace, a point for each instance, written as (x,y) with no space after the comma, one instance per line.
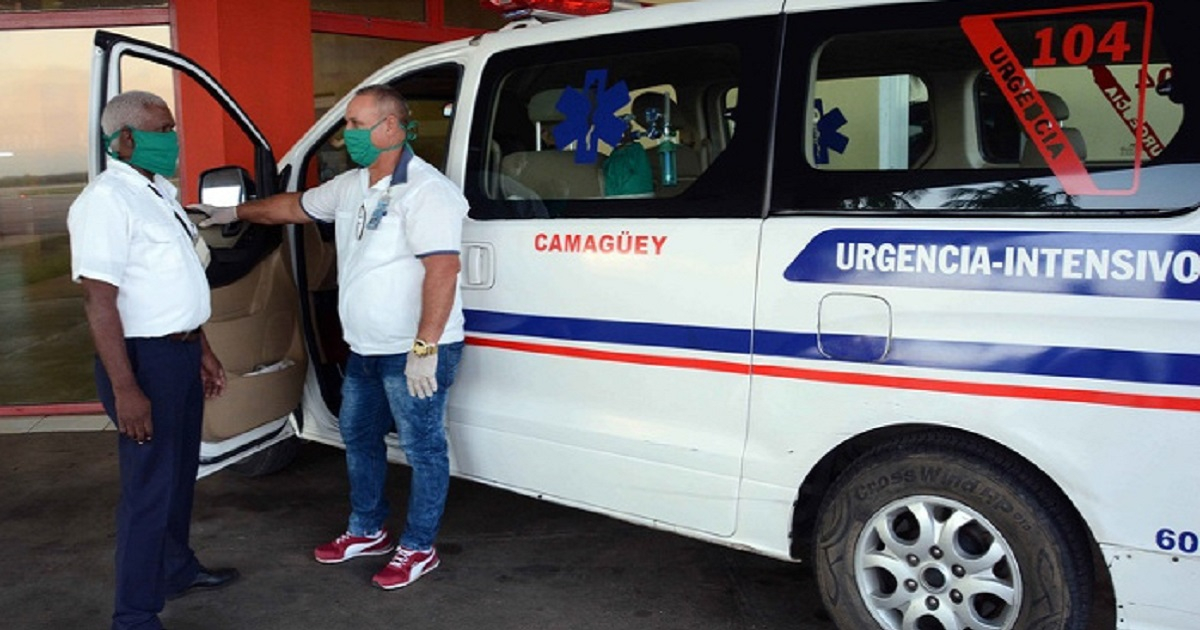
(347,536)
(401,556)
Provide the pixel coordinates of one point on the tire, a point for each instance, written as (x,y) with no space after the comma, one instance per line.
(936,531)
(272,459)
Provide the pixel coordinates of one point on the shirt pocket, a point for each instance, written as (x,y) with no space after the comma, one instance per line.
(346,212)
(164,245)
(348,220)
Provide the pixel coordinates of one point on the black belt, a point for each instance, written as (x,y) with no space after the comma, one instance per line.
(191,335)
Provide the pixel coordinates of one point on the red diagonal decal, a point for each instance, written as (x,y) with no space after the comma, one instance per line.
(1028,105)
(1131,113)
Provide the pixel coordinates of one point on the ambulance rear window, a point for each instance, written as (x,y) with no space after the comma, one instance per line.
(1081,107)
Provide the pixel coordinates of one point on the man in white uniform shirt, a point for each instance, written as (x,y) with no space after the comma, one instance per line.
(145,294)
(398,227)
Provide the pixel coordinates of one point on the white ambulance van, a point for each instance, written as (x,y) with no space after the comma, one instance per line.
(905,289)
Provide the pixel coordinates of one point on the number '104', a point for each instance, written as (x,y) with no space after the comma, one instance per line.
(1079,45)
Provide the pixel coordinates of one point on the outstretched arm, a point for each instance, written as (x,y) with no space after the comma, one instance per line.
(274,210)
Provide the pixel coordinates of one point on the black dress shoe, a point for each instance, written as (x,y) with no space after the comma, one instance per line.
(208,580)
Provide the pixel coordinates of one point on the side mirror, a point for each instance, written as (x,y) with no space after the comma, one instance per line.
(226,186)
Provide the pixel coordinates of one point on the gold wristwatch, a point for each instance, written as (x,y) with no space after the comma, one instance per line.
(423,349)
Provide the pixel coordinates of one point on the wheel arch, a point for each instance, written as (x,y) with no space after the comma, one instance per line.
(821,476)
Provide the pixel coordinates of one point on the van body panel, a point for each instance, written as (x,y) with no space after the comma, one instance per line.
(609,369)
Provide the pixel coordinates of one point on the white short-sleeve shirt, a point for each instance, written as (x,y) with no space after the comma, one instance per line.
(380,274)
(133,234)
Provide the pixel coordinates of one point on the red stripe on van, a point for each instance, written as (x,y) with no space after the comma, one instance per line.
(728,367)
(1115,399)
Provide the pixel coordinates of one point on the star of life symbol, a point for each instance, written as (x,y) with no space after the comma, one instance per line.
(591,115)
(828,137)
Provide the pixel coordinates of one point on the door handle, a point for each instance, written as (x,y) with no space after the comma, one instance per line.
(479,266)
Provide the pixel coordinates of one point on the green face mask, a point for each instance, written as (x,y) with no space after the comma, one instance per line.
(361,149)
(155,151)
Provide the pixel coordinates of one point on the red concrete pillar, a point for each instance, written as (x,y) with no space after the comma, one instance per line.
(261,52)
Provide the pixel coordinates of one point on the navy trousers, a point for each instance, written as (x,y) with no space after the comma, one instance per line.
(158,479)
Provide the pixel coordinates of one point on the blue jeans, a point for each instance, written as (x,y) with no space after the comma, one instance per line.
(375,399)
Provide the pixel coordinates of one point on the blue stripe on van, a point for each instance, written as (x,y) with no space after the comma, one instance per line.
(606,331)
(1158,368)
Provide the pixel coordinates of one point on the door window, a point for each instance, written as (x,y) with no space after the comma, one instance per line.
(640,124)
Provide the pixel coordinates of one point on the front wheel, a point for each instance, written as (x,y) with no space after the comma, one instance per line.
(936,532)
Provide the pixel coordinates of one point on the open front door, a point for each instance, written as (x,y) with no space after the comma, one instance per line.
(255,327)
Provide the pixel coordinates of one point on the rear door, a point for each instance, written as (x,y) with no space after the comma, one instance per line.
(254,328)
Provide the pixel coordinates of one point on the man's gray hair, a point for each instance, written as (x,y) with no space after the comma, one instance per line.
(128,109)
(389,100)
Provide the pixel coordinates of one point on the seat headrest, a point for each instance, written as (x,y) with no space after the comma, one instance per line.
(1058,107)
(543,107)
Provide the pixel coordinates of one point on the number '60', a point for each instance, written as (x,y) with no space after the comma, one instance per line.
(1168,540)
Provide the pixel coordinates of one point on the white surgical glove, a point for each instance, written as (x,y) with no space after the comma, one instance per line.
(421,373)
(217,215)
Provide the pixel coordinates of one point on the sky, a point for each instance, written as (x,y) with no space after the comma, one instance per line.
(44,82)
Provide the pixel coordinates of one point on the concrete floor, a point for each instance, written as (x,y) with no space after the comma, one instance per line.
(507,561)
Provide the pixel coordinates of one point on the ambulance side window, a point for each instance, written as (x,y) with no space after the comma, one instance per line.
(922,109)
(638,124)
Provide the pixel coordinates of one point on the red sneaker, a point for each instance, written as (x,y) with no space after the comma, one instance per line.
(405,568)
(349,546)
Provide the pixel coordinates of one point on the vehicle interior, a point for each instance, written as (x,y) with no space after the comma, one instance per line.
(675,105)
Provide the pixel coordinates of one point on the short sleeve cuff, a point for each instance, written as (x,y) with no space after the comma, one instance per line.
(304,209)
(95,275)
(437,252)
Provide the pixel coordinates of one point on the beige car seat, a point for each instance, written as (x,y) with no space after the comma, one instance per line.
(1031,157)
(550,173)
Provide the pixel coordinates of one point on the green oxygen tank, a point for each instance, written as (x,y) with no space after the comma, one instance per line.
(666,148)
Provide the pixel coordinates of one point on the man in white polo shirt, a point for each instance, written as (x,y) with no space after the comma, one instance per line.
(145,294)
(398,228)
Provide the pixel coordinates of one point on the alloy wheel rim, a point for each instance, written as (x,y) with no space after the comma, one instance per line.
(932,563)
